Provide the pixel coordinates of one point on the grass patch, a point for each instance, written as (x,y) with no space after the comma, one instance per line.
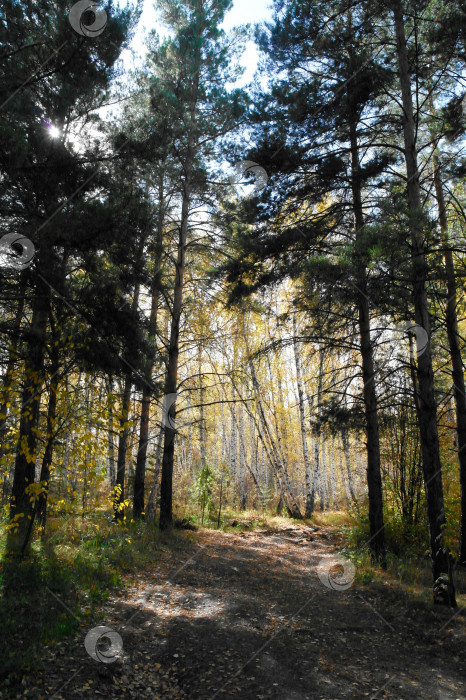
(246,520)
(408,560)
(332,518)
(73,568)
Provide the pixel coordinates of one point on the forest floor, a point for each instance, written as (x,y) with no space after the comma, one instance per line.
(246,615)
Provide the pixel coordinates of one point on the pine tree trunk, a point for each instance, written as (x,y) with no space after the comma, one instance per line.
(124,430)
(50,437)
(21,509)
(122,448)
(111,442)
(140,471)
(451,319)
(10,368)
(427,408)
(171,379)
(374,477)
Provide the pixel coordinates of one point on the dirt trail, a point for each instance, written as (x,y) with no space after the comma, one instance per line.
(246,616)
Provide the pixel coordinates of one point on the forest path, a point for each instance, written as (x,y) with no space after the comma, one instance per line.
(246,616)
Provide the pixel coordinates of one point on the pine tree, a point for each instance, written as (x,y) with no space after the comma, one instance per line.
(47,95)
(314,126)
(193,69)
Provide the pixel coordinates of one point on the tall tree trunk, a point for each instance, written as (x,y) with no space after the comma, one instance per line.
(50,436)
(316,428)
(374,476)
(171,378)
(451,319)
(344,479)
(315,475)
(332,471)
(346,452)
(124,428)
(140,471)
(10,367)
(152,500)
(322,474)
(202,450)
(111,472)
(189,459)
(224,434)
(427,408)
(21,509)
(233,448)
(242,462)
(122,448)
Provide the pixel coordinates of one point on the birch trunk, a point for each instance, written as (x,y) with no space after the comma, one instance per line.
(269,442)
(302,416)
(332,472)
(346,452)
(202,449)
(152,500)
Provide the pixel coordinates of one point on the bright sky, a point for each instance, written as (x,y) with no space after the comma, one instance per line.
(243,12)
